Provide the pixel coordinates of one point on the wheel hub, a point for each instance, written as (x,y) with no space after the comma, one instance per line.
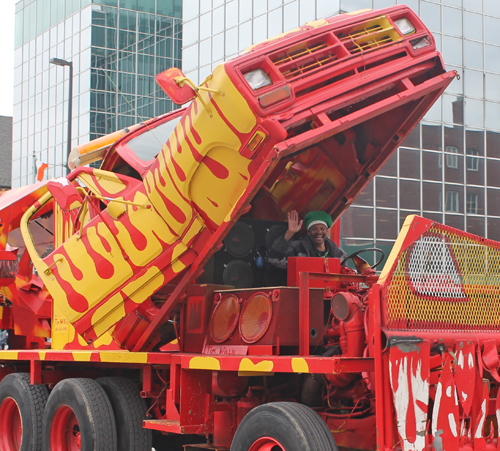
(78,440)
(65,433)
(11,426)
(266,444)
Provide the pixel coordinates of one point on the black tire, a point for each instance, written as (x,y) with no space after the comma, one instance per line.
(79,415)
(130,410)
(21,413)
(292,426)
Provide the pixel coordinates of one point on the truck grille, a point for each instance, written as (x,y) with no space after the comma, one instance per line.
(331,47)
(297,62)
(372,34)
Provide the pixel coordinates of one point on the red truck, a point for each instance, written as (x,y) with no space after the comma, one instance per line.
(139,306)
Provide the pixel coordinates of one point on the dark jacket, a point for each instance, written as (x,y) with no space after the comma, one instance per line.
(282,249)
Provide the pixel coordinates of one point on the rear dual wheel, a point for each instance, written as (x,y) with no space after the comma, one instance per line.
(21,411)
(78,416)
(102,415)
(283,426)
(129,410)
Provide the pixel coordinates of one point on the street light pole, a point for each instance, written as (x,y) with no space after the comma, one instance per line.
(60,62)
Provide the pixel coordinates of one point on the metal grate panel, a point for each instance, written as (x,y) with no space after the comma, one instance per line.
(332,47)
(297,61)
(445,280)
(369,35)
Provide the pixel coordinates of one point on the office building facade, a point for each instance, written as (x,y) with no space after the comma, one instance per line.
(448,169)
(5,151)
(116,47)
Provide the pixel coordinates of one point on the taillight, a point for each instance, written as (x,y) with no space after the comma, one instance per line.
(255,317)
(225,318)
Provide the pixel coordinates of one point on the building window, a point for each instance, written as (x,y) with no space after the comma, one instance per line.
(452,201)
(472,201)
(472,160)
(451,160)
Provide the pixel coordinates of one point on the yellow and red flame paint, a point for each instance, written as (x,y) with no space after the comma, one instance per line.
(101,275)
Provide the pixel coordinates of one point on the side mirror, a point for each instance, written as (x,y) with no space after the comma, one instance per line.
(176,86)
(65,193)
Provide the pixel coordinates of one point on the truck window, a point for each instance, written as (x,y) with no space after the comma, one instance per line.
(148,144)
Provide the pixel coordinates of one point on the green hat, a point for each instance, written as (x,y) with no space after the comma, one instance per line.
(317,217)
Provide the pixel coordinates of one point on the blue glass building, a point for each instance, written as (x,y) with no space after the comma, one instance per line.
(116,46)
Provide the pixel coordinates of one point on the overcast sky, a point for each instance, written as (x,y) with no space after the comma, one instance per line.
(6,56)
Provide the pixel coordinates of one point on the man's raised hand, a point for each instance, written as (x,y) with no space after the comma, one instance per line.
(294,225)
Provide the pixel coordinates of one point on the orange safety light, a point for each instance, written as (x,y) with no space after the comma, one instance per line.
(255,141)
(225,318)
(255,317)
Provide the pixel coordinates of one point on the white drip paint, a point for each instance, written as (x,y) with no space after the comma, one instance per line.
(420,391)
(401,396)
(497,412)
(452,392)
(453,424)
(480,425)
(437,406)
(471,361)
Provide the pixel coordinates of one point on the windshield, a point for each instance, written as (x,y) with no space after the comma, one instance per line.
(148,144)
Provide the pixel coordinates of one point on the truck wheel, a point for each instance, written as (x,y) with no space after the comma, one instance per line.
(79,416)
(129,409)
(283,426)
(21,413)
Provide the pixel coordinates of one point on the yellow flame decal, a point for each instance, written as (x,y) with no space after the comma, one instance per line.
(143,287)
(266,366)
(108,314)
(204,363)
(299,365)
(81,356)
(124,357)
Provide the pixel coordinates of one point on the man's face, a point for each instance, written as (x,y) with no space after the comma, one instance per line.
(318,234)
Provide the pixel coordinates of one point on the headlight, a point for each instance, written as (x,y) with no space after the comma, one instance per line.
(405,26)
(257,79)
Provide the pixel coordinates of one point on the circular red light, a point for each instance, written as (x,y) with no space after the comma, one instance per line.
(224,318)
(255,317)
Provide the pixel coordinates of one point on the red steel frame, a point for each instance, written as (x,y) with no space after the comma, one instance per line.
(408,84)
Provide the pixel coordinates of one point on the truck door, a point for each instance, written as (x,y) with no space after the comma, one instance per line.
(112,251)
